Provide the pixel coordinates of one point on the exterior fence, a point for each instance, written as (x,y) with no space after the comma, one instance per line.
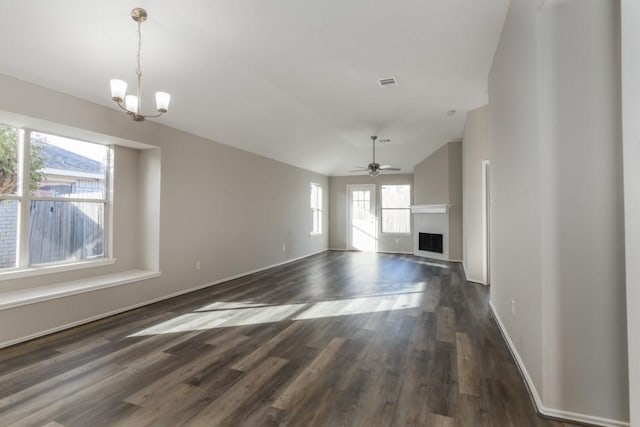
(58,231)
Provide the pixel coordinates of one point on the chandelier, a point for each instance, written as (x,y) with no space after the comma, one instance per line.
(132,104)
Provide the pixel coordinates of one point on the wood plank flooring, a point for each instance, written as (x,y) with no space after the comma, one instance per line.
(336,339)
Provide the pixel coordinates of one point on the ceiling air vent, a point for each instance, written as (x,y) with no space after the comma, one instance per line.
(391,81)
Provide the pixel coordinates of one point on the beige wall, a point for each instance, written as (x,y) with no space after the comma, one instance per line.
(631,135)
(455,200)
(438,180)
(516,203)
(126,220)
(431,178)
(557,236)
(474,152)
(230,209)
(338,211)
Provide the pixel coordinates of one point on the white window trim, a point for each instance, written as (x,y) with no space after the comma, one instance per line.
(394,234)
(41,269)
(24,198)
(408,208)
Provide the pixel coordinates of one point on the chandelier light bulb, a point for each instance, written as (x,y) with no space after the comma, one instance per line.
(131,104)
(162,101)
(118,89)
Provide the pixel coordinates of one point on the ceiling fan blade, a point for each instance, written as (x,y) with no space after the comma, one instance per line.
(388,168)
(373,168)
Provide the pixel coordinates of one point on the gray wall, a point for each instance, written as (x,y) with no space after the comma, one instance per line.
(631,135)
(474,152)
(338,211)
(557,243)
(438,180)
(230,209)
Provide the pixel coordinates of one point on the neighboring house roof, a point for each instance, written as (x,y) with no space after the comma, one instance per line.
(61,159)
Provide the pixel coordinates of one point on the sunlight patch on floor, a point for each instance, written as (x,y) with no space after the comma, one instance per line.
(228,314)
(231,305)
(431,264)
(199,321)
(360,306)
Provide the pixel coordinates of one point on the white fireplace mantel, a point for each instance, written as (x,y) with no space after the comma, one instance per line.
(429,209)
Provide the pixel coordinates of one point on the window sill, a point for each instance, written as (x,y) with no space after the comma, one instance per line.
(315,234)
(51,269)
(397,234)
(31,296)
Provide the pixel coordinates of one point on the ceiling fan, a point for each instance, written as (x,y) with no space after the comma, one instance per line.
(375,168)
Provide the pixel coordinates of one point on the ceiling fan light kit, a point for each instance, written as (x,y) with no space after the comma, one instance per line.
(132,104)
(374,168)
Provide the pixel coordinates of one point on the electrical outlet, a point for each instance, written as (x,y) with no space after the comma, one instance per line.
(284,247)
(197,265)
(513,308)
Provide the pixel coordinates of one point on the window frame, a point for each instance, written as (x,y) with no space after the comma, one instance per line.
(382,209)
(23,196)
(315,209)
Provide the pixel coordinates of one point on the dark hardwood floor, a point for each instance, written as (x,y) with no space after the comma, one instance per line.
(337,339)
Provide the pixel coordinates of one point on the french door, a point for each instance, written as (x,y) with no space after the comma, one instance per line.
(362,223)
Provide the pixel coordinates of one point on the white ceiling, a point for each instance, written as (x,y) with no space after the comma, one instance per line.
(292,80)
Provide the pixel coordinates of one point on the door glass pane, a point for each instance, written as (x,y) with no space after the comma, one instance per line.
(9,160)
(63,167)
(65,231)
(8,232)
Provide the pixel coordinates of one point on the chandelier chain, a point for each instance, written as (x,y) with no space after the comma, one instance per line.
(139,70)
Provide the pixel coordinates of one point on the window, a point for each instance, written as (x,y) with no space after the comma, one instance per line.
(53,207)
(396,211)
(316,208)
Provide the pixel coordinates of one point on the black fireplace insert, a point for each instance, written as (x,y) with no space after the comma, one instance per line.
(430,242)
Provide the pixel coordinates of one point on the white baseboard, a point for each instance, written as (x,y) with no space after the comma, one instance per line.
(535,396)
(147,302)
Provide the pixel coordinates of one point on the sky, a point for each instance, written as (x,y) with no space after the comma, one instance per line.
(86,149)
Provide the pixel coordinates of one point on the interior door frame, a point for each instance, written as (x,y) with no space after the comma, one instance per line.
(486,222)
(374,209)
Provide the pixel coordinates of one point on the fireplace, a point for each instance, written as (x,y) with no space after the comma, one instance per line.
(430,242)
(431,235)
